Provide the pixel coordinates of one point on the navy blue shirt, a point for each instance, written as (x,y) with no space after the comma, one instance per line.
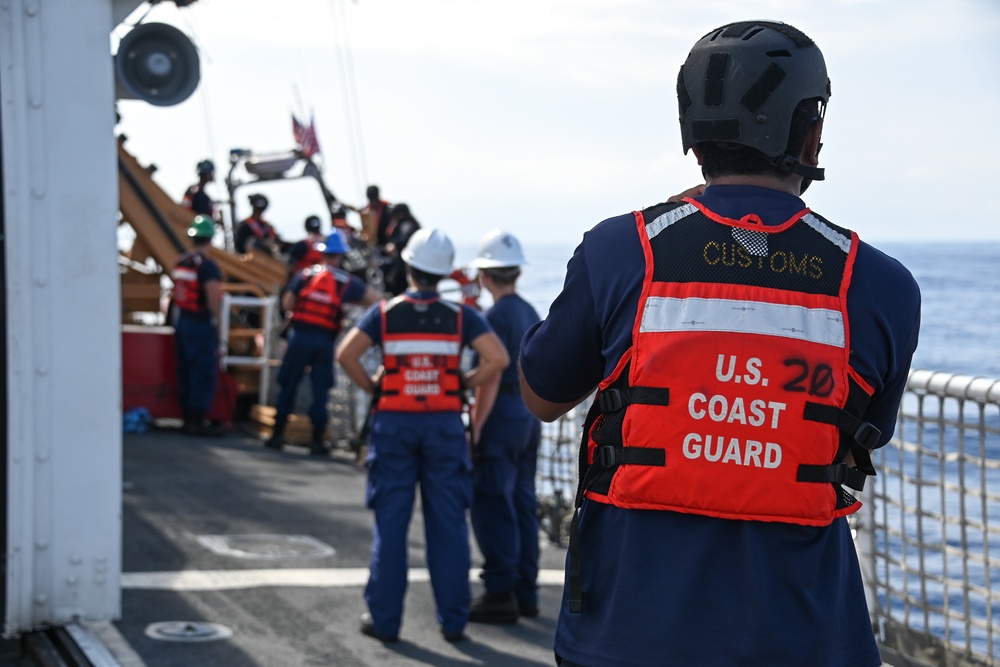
(207,270)
(683,589)
(200,201)
(510,316)
(474,324)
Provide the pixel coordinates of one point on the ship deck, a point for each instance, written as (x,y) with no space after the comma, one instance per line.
(273,547)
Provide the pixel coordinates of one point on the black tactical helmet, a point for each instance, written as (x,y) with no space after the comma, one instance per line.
(741,83)
(312,223)
(258,201)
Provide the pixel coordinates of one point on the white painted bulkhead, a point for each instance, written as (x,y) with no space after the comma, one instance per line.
(63,344)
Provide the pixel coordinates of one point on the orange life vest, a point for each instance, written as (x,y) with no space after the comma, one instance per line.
(736,399)
(320,301)
(313,256)
(261,228)
(422,345)
(187,293)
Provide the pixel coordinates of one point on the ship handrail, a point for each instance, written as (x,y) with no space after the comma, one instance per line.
(928,537)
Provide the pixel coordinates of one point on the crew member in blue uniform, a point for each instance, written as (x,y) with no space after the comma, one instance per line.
(418,436)
(748,355)
(505,440)
(197,296)
(256,233)
(196,198)
(315,298)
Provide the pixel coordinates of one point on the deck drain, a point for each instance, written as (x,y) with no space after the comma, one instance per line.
(187,631)
(267,547)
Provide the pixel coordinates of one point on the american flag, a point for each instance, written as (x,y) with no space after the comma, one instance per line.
(305,136)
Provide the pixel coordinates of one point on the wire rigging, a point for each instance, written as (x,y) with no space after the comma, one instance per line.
(349,93)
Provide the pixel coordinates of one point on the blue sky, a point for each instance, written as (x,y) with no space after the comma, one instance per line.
(544,117)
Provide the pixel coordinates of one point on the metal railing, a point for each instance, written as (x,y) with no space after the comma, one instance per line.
(930,540)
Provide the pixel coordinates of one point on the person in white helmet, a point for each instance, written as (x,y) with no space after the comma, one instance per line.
(505,440)
(417,434)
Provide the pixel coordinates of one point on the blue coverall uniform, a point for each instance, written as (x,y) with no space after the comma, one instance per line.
(431,449)
(504,505)
(196,342)
(311,346)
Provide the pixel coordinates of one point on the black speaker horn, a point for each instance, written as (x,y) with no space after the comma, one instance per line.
(157,63)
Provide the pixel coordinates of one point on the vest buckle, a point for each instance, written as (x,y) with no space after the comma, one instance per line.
(611,400)
(606,456)
(867,435)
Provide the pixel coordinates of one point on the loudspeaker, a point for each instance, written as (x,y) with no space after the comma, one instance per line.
(157,63)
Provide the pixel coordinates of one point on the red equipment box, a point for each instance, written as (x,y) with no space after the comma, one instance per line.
(149,376)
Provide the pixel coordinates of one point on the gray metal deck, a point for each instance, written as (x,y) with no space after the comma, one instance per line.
(286,603)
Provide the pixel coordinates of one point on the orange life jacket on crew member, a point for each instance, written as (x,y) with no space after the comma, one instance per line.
(187,294)
(320,301)
(261,229)
(313,256)
(736,399)
(422,345)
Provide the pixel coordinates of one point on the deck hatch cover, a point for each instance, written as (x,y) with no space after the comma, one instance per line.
(267,547)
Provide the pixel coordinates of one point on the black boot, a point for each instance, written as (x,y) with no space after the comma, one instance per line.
(197,424)
(317,446)
(189,424)
(194,423)
(494,608)
(277,438)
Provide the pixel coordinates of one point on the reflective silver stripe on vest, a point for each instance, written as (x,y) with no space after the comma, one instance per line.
(669,218)
(397,347)
(827,232)
(815,325)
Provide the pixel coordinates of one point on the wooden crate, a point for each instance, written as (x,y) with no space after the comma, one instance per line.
(297,430)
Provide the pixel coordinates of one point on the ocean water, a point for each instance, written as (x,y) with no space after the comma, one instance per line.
(959,284)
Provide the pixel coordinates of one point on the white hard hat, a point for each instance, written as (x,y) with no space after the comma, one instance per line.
(430,250)
(498,249)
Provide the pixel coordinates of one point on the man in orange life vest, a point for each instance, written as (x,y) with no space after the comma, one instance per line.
(256,233)
(748,355)
(417,434)
(197,296)
(315,298)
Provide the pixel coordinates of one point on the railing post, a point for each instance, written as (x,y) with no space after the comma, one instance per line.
(865,543)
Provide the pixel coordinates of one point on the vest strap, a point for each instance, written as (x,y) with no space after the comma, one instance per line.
(838,473)
(612,400)
(609,456)
(862,432)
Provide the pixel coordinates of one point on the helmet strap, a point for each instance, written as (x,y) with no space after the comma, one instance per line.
(791,165)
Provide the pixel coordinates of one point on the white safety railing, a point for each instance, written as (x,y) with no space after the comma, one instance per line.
(930,541)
